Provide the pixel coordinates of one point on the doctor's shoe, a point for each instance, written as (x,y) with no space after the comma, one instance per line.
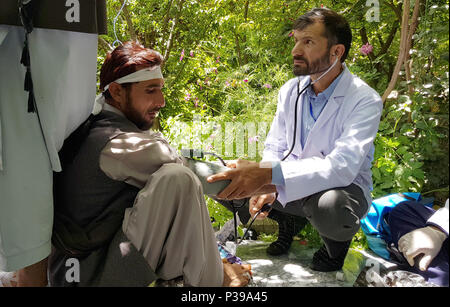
(322,261)
(288,226)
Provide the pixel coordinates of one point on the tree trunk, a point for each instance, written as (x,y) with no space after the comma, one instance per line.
(238,48)
(172,33)
(407,32)
(402,50)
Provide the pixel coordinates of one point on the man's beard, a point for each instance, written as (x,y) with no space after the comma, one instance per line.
(135,116)
(318,66)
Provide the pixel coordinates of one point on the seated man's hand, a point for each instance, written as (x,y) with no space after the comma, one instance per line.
(258,201)
(247,178)
(427,241)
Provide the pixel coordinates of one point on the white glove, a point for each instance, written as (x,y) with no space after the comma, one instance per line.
(427,241)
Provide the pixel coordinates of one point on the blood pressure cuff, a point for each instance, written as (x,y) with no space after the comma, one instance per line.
(86,16)
(205,169)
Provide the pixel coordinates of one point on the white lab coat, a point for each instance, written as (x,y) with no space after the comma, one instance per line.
(339,148)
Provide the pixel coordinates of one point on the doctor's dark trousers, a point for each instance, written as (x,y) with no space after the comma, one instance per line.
(334,213)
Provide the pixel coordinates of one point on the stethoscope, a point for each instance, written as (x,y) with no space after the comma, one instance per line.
(267,207)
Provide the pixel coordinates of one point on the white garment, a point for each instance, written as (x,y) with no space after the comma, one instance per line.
(3,33)
(339,148)
(440,218)
(63,67)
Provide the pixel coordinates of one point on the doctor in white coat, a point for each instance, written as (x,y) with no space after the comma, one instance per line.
(318,153)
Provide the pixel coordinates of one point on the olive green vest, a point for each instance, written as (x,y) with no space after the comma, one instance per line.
(90,206)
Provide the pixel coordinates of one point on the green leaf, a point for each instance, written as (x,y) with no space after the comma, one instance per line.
(376,173)
(416,165)
(421,125)
(418,173)
(387,184)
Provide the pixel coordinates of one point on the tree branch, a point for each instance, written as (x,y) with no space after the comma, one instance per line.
(390,39)
(166,19)
(397,9)
(402,52)
(238,48)
(172,32)
(129,22)
(104,44)
(246,10)
(408,63)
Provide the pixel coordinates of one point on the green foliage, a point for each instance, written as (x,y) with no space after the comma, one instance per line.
(227,59)
(412,143)
(217,211)
(311,235)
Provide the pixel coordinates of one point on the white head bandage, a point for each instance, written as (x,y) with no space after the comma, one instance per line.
(140,75)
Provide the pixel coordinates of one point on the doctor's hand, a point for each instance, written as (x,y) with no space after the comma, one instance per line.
(257,202)
(239,163)
(246,177)
(427,241)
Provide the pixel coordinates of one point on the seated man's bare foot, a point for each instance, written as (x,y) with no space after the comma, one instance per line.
(236,275)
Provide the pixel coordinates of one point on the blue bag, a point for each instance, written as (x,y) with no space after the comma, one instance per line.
(374,225)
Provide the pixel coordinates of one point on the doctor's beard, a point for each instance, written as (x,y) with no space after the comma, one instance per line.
(318,66)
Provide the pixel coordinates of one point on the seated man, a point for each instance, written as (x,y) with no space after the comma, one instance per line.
(421,235)
(123,176)
(319,166)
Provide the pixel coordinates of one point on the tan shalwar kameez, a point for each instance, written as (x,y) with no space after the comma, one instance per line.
(169,222)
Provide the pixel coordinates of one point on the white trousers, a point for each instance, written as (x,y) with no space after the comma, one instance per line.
(170,225)
(63,66)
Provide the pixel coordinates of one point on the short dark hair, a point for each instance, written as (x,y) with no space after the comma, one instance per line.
(337,29)
(126,59)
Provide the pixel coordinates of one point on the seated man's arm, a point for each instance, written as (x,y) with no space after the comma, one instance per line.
(132,157)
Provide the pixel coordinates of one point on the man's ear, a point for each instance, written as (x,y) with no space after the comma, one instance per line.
(338,50)
(116,91)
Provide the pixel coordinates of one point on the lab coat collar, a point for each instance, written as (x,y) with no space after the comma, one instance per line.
(330,108)
(342,87)
(333,103)
(339,90)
